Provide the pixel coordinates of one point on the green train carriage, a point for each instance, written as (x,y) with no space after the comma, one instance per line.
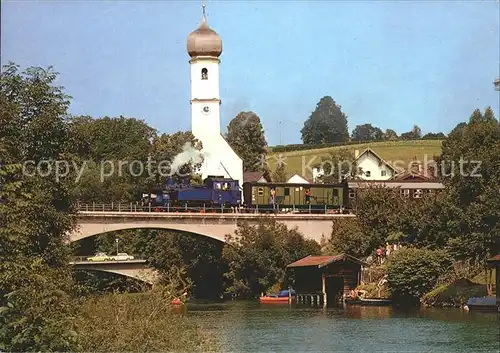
(294,196)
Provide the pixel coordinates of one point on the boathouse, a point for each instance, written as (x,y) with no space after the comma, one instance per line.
(322,279)
(495,263)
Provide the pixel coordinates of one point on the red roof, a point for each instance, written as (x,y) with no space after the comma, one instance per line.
(321,261)
(495,258)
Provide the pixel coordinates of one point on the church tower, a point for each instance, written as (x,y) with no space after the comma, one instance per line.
(204,46)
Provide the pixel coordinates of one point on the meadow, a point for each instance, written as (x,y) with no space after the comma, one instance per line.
(402,151)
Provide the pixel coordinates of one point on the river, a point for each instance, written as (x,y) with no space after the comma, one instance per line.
(255,327)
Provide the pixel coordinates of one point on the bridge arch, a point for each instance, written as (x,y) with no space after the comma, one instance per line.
(136,269)
(208,225)
(87,231)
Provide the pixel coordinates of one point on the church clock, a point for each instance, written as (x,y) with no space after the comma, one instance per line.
(205,110)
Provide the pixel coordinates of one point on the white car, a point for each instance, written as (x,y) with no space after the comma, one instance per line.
(122,257)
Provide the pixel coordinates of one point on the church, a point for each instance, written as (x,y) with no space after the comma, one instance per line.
(204,47)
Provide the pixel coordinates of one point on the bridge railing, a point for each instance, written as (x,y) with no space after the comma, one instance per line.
(277,209)
(84,259)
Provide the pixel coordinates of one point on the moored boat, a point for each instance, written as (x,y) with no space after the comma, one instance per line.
(482,304)
(282,297)
(272,299)
(376,301)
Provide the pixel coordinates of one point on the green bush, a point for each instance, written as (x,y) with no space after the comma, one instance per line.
(413,272)
(142,322)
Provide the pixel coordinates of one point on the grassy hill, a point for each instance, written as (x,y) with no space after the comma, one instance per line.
(402,151)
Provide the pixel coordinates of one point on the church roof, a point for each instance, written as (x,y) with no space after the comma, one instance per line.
(204,41)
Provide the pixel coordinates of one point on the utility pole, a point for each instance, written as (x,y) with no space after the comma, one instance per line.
(279,129)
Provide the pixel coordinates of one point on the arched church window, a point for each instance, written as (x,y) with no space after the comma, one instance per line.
(204,74)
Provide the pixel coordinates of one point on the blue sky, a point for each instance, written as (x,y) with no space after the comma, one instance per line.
(391,64)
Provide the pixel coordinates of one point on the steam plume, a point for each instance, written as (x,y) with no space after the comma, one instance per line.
(188,154)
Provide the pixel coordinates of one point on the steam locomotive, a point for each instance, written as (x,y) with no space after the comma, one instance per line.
(215,193)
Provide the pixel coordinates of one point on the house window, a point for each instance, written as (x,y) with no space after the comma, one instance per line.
(406,192)
(287,191)
(368,173)
(335,192)
(383,173)
(260,191)
(351,194)
(417,193)
(204,74)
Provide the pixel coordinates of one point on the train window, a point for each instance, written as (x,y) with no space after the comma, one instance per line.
(217,186)
(287,191)
(260,191)
(297,189)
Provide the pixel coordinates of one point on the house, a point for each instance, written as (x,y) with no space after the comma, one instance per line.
(416,172)
(255,177)
(326,278)
(373,167)
(370,166)
(297,179)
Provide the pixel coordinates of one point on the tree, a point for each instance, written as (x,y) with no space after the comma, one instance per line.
(337,166)
(433,136)
(279,174)
(470,162)
(415,133)
(326,124)
(257,256)
(378,210)
(36,213)
(390,135)
(366,132)
(245,135)
(413,272)
(348,237)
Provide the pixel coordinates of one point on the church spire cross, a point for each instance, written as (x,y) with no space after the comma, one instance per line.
(203,6)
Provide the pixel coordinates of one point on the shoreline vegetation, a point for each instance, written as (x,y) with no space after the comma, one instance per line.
(139,322)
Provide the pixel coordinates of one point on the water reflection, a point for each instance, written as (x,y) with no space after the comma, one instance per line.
(255,327)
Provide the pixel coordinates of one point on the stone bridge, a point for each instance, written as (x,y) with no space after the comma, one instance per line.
(215,226)
(137,269)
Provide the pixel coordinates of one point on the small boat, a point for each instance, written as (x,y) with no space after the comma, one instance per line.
(353,301)
(376,302)
(272,299)
(281,297)
(482,304)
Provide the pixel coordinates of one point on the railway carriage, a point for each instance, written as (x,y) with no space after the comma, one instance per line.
(307,197)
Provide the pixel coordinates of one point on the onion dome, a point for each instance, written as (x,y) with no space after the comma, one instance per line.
(204,41)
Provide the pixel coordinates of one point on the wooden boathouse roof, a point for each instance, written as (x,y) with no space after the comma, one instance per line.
(321,261)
